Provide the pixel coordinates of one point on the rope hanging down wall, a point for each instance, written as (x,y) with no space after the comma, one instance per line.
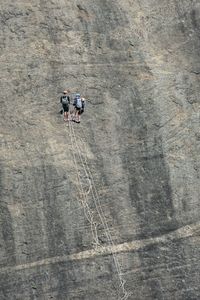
(81,160)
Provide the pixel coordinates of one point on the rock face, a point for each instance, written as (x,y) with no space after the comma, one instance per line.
(107,209)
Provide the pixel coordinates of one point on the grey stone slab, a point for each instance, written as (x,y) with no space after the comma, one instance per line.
(107,208)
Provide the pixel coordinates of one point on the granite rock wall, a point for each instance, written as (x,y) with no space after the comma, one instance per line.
(109,208)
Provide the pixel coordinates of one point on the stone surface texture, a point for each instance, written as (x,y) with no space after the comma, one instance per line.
(107,209)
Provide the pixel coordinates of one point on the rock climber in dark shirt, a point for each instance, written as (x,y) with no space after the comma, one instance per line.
(65,101)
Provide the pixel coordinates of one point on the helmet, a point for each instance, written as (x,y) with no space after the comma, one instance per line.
(65,92)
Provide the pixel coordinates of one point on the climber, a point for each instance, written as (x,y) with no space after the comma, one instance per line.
(65,101)
(79,106)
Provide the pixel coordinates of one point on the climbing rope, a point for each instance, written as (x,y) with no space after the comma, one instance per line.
(95,196)
(84,196)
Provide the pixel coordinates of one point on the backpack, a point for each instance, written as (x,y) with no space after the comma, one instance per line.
(65,100)
(78,103)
